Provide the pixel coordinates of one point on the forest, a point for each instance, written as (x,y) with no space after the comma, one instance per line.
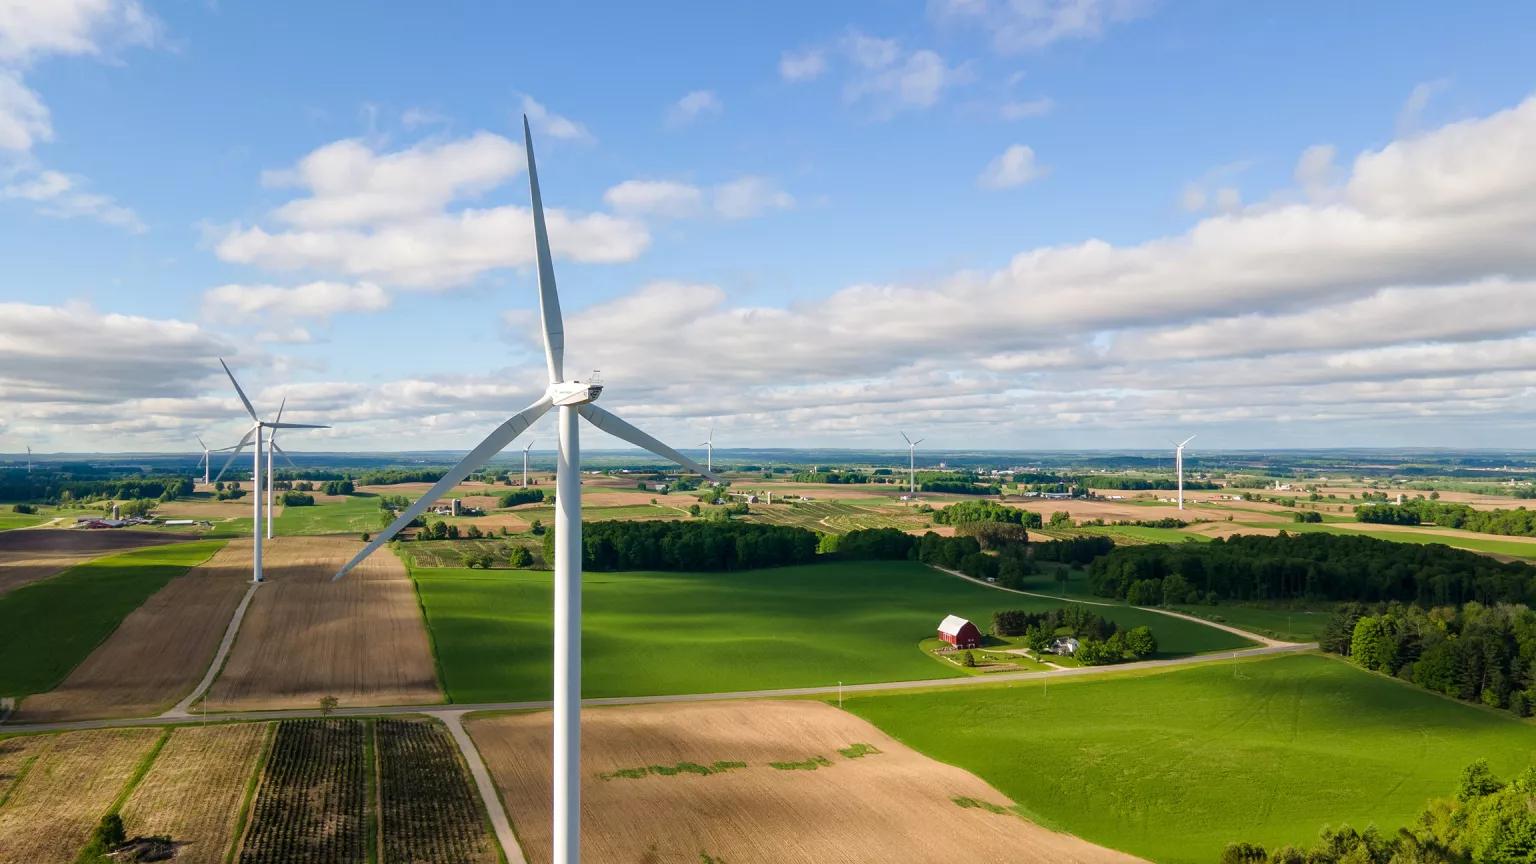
(1517,522)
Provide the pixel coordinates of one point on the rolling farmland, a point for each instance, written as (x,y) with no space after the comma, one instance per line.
(1267,751)
(428,810)
(27,556)
(193,791)
(658,633)
(853,793)
(310,807)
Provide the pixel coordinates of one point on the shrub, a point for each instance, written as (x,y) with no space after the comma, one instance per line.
(520,557)
(23,508)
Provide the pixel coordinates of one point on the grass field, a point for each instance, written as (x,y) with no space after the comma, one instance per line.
(1144,534)
(1303,624)
(654,633)
(1460,540)
(10,519)
(48,627)
(352,515)
(1174,765)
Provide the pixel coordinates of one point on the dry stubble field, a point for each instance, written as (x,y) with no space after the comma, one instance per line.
(72,783)
(159,652)
(193,792)
(305,637)
(890,805)
(30,554)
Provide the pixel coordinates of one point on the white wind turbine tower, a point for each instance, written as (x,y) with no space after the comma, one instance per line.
(1178,466)
(254,435)
(912,461)
(271,447)
(525,462)
(709,449)
(29,458)
(574,399)
(207,452)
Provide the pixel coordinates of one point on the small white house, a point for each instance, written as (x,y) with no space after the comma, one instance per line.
(1064,645)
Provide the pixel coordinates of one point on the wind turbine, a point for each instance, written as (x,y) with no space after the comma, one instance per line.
(709,449)
(254,435)
(272,446)
(912,461)
(1178,466)
(206,453)
(525,462)
(573,399)
(29,458)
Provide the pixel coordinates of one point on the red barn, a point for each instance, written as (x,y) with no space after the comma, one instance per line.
(959,632)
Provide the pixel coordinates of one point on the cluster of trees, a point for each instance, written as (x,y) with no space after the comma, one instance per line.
(1100,641)
(1315,566)
(54,488)
(1518,522)
(1140,484)
(986,511)
(832,477)
(520,496)
(1487,822)
(228,491)
(518,557)
(1476,653)
(26,509)
(869,544)
(298,499)
(960,487)
(1077,551)
(1306,516)
(703,545)
(393,476)
(338,487)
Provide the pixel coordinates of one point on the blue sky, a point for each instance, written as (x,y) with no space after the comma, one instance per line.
(1028,224)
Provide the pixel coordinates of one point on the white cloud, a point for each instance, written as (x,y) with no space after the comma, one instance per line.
(1215,192)
(892,79)
(1411,115)
(387,217)
(743,198)
(800,66)
(1026,108)
(33,28)
(1316,172)
(694,105)
(547,123)
(24,118)
(1030,25)
(238,304)
(1013,167)
(60,195)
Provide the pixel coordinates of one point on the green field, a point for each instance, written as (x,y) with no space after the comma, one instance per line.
(1460,540)
(656,633)
(10,519)
(1303,624)
(1174,765)
(48,627)
(358,513)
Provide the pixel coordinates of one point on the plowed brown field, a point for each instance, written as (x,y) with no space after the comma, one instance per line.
(193,791)
(304,637)
(75,779)
(30,554)
(159,652)
(889,805)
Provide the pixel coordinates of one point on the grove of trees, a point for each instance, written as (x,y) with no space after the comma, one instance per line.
(1517,522)
(694,545)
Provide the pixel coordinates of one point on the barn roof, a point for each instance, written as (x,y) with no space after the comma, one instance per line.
(951,625)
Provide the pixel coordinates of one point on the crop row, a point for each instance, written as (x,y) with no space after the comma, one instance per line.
(429,810)
(310,808)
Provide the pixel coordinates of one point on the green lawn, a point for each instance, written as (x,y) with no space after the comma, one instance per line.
(1145,533)
(1172,766)
(10,519)
(356,514)
(1303,624)
(48,627)
(655,633)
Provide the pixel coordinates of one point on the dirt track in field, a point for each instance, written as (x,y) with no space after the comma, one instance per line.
(159,652)
(894,805)
(30,554)
(192,792)
(74,781)
(304,637)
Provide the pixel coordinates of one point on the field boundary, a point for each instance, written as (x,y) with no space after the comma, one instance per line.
(220,657)
(495,810)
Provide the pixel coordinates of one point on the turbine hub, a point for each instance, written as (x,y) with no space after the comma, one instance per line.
(574,392)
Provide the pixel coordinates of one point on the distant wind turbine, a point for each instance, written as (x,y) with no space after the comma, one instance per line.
(254,435)
(525,462)
(29,458)
(573,399)
(709,449)
(912,461)
(207,451)
(1178,465)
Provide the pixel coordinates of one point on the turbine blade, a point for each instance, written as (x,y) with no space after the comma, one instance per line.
(905,438)
(284,453)
(248,409)
(281,405)
(294,426)
(918,441)
(619,428)
(494,443)
(549,298)
(237,448)
(200,441)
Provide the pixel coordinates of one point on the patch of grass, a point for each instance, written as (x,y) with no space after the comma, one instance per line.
(719,767)
(858,751)
(354,515)
(1172,765)
(810,764)
(1144,534)
(1303,624)
(48,627)
(969,803)
(664,633)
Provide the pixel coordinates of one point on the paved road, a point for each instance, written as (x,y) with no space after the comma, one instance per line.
(184,707)
(454,720)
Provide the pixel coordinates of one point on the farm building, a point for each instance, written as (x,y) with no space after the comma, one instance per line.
(1064,646)
(959,632)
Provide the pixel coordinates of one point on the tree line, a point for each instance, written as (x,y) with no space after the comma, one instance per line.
(1486,821)
(1308,566)
(1517,522)
(55,488)
(703,545)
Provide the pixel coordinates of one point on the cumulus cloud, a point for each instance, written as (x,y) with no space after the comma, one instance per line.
(551,125)
(24,119)
(743,198)
(1410,117)
(29,30)
(699,103)
(389,217)
(61,195)
(1017,26)
(237,304)
(890,78)
(801,66)
(1015,166)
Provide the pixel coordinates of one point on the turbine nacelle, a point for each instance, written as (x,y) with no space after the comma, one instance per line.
(573,392)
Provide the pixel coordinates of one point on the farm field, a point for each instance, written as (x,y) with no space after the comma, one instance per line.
(659,633)
(785,781)
(428,809)
(311,804)
(10,520)
(193,791)
(351,515)
(47,628)
(1492,544)
(74,780)
(160,650)
(1276,622)
(1144,534)
(1267,751)
(27,556)
(305,637)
